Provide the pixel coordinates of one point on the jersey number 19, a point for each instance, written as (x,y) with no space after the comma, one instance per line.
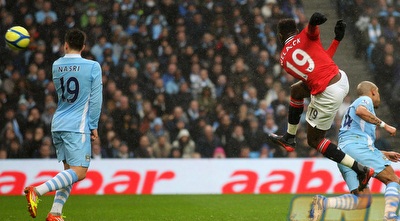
(72,86)
(301,63)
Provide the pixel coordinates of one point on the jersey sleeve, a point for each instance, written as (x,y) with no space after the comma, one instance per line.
(312,32)
(333,47)
(96,97)
(367,103)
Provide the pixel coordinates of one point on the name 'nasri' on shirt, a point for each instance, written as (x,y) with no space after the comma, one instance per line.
(69,68)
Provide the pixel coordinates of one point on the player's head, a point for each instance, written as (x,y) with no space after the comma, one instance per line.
(367,88)
(75,40)
(286,28)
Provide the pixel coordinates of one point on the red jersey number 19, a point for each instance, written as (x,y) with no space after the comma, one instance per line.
(301,63)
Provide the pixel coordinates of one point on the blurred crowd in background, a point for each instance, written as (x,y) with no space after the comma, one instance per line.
(181,79)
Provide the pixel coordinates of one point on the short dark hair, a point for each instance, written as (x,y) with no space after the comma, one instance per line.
(286,26)
(75,38)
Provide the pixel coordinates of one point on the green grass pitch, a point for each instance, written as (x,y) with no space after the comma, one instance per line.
(155,207)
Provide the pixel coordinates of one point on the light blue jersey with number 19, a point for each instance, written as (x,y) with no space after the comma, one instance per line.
(78,83)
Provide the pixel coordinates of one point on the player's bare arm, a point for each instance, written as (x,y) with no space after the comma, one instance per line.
(369,117)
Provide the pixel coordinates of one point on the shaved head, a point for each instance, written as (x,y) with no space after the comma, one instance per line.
(365,87)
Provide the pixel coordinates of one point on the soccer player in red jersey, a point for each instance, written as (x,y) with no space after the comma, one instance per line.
(304,57)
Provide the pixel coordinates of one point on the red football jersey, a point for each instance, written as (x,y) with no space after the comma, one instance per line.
(304,57)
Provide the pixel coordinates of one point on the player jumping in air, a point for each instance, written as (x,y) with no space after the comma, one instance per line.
(304,57)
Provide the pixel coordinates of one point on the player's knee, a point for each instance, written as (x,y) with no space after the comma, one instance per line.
(80,172)
(81,176)
(295,92)
(312,142)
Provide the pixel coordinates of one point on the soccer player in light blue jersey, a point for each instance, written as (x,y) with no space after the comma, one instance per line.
(78,82)
(356,138)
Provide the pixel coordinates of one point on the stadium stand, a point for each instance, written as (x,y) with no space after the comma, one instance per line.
(182,79)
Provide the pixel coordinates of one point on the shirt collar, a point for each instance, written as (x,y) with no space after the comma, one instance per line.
(289,39)
(72,56)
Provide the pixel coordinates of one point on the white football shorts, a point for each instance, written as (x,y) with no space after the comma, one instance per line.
(323,107)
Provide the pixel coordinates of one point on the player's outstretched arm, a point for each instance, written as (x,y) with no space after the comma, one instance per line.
(369,117)
(315,20)
(340,29)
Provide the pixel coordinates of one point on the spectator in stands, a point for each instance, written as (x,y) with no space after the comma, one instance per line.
(385,74)
(13,147)
(374,32)
(46,11)
(162,147)
(236,141)
(175,153)
(224,130)
(244,152)
(390,30)
(270,126)
(193,111)
(156,130)
(97,151)
(91,14)
(144,150)
(207,143)
(219,153)
(201,82)
(255,137)
(177,121)
(97,50)
(3,154)
(183,97)
(45,150)
(184,144)
(228,48)
(123,151)
(206,100)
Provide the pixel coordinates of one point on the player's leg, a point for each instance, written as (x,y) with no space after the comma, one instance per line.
(73,149)
(60,198)
(320,115)
(65,144)
(62,194)
(298,91)
(316,139)
(62,179)
(355,200)
(76,156)
(374,158)
(350,201)
(388,177)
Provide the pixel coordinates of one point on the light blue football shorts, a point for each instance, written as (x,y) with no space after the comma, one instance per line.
(74,148)
(368,155)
